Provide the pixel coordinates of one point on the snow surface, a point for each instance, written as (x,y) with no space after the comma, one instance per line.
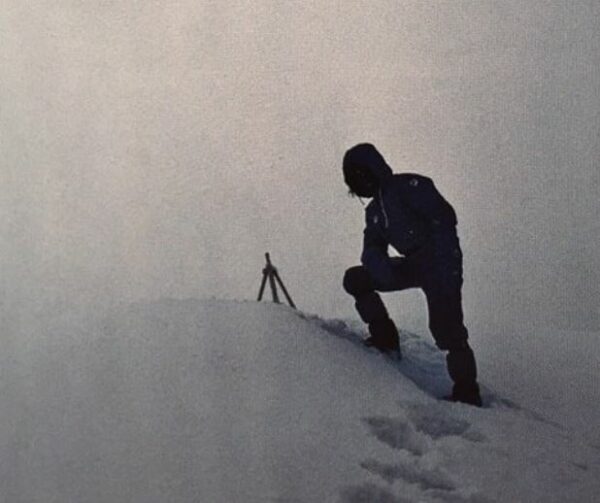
(224,401)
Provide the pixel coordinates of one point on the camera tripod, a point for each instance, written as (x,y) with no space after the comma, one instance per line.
(270,273)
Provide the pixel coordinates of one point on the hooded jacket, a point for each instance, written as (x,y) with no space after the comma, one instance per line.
(407,213)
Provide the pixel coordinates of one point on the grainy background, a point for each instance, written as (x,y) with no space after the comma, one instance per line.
(154,148)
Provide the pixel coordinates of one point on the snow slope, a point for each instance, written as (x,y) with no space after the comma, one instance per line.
(222,401)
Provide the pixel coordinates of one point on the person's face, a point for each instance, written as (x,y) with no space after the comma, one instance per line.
(362,181)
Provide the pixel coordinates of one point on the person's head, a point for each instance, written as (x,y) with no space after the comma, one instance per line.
(360,180)
(364,168)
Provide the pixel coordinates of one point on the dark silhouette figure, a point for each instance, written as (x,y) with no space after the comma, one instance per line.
(408,213)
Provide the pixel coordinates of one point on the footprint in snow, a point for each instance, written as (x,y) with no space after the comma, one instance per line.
(396,433)
(410,472)
(436,423)
(434,485)
(423,423)
(416,433)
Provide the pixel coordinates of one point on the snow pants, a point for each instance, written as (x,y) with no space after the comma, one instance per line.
(441,281)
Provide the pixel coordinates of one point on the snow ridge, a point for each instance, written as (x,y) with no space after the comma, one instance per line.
(227,401)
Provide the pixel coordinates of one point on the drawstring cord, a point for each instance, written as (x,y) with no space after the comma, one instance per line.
(385,217)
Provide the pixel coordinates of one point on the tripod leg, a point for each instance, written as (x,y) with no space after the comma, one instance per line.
(273,288)
(262,286)
(287,295)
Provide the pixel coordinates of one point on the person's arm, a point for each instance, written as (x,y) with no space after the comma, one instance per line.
(375,256)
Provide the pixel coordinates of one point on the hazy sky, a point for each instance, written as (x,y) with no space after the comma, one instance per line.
(160,148)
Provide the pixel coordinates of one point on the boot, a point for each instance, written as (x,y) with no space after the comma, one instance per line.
(463,371)
(468,394)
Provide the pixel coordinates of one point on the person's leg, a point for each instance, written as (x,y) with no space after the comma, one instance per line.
(359,283)
(450,334)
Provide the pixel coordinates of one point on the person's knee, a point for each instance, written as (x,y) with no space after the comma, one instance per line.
(444,339)
(446,322)
(356,281)
(449,336)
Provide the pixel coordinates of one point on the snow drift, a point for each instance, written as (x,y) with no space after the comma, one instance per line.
(222,401)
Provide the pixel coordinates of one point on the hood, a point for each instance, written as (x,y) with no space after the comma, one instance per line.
(365,154)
